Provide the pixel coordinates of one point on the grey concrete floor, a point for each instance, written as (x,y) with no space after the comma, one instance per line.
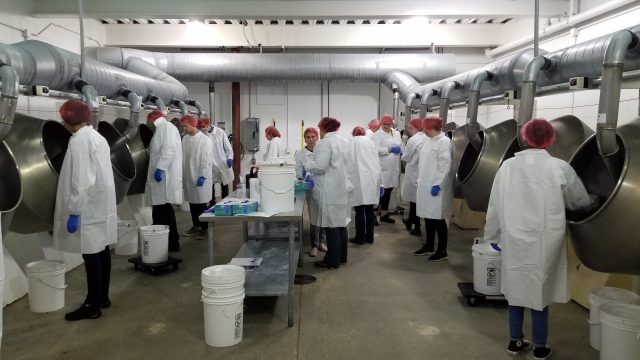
(384,304)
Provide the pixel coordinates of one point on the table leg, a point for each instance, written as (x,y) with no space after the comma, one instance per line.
(292,272)
(301,240)
(245,231)
(210,239)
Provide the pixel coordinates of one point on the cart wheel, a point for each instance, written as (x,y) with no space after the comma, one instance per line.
(135,267)
(472,301)
(175,267)
(153,271)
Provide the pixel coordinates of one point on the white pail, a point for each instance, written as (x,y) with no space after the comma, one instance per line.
(127,238)
(222,300)
(154,244)
(620,332)
(185,207)
(602,296)
(46,285)
(277,188)
(487,269)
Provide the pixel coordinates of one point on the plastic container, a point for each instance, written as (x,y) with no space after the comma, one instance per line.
(222,300)
(276,188)
(487,269)
(154,244)
(601,296)
(46,285)
(127,238)
(620,332)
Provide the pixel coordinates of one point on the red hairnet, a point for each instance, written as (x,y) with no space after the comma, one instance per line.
(538,133)
(190,120)
(328,124)
(432,123)
(416,123)
(311,130)
(155,115)
(75,112)
(358,131)
(387,119)
(374,125)
(272,131)
(204,122)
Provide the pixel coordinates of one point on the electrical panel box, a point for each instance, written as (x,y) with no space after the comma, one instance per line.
(39,90)
(251,134)
(579,83)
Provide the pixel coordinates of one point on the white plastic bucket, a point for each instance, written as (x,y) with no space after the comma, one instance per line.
(154,244)
(601,296)
(127,238)
(277,188)
(185,207)
(222,300)
(46,285)
(487,269)
(620,333)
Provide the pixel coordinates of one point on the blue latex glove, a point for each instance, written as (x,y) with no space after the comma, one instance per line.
(381,191)
(72,223)
(310,181)
(229,163)
(158,175)
(396,149)
(304,172)
(200,181)
(435,190)
(496,247)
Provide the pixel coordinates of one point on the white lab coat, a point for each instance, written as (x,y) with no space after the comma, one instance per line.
(196,162)
(365,173)
(331,166)
(368,133)
(275,149)
(389,162)
(222,151)
(526,216)
(165,153)
(312,203)
(86,188)
(435,169)
(411,156)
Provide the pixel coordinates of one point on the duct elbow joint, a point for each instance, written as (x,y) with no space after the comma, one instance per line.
(533,68)
(618,46)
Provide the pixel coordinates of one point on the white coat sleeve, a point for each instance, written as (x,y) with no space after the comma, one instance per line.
(83,175)
(492,225)
(319,162)
(443,163)
(377,139)
(273,148)
(409,151)
(228,149)
(167,150)
(204,165)
(574,193)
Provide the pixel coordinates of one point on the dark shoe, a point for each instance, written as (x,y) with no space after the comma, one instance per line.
(84,312)
(369,241)
(191,232)
(323,265)
(386,218)
(542,353)
(354,241)
(375,221)
(438,256)
(174,248)
(202,234)
(424,250)
(517,346)
(416,232)
(323,247)
(105,304)
(407,224)
(313,252)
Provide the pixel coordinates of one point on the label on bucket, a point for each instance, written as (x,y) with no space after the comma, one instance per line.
(145,248)
(491,276)
(238,330)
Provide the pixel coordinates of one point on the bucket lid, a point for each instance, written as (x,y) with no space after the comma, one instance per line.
(223,274)
(604,295)
(617,314)
(485,249)
(154,228)
(44,266)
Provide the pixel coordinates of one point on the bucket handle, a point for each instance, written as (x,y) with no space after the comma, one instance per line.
(278,192)
(51,286)
(213,291)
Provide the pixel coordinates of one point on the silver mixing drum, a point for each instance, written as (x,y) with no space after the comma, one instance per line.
(124,169)
(139,147)
(10,187)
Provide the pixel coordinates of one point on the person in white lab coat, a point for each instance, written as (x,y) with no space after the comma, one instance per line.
(372,127)
(275,147)
(366,184)
(317,236)
(388,141)
(434,195)
(85,219)
(197,161)
(526,219)
(164,177)
(331,167)
(411,157)
(222,152)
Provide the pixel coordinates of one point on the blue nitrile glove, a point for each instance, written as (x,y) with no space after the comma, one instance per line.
(396,149)
(158,175)
(304,172)
(381,191)
(310,181)
(200,181)
(435,190)
(72,223)
(496,247)
(210,130)
(229,163)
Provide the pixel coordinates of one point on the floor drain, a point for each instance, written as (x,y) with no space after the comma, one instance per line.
(303,279)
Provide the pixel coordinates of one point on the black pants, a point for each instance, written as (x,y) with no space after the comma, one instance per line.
(164,215)
(197,210)
(225,192)
(385,198)
(364,223)
(336,246)
(440,226)
(98,268)
(413,218)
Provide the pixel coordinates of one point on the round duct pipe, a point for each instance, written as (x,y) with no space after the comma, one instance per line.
(139,147)
(124,169)
(10,187)
(460,140)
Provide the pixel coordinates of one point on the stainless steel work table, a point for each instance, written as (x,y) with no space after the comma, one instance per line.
(267,240)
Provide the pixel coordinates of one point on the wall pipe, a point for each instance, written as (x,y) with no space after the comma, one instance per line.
(157,102)
(235,129)
(90,97)
(407,108)
(196,104)
(396,105)
(134,119)
(473,95)
(445,93)
(181,105)
(536,28)
(8,98)
(528,93)
(212,102)
(424,99)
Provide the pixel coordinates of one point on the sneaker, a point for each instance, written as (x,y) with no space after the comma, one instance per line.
(416,232)
(438,256)
(323,247)
(424,250)
(191,232)
(386,218)
(323,265)
(202,234)
(313,252)
(84,312)
(517,346)
(354,241)
(542,353)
